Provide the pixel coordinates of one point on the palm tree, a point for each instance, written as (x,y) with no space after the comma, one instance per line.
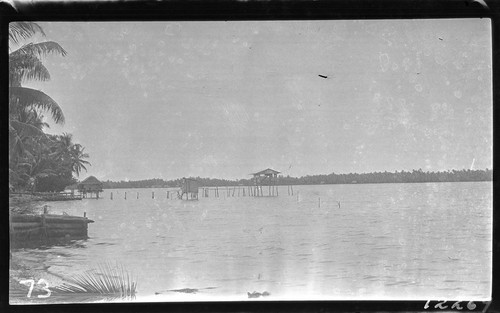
(26,104)
(36,163)
(61,148)
(77,159)
(25,64)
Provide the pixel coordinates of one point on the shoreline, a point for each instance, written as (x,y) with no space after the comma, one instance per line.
(25,204)
(22,268)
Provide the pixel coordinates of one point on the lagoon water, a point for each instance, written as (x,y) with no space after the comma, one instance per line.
(384,241)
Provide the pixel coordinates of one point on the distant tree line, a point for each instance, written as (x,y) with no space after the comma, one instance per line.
(415,176)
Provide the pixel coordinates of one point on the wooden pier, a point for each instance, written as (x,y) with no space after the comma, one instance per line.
(47,196)
(43,226)
(57,196)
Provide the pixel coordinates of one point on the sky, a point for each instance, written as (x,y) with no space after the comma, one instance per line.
(225,99)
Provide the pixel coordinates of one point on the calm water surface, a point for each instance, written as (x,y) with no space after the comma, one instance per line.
(384,241)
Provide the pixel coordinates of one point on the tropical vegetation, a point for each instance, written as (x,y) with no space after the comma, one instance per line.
(37,161)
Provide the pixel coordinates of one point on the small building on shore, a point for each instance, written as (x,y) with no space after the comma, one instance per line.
(90,187)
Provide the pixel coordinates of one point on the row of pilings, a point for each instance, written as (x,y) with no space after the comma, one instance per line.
(206,192)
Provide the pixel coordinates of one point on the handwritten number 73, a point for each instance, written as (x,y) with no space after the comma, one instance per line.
(31,283)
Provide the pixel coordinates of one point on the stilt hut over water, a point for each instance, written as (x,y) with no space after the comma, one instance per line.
(90,187)
(267,177)
(189,188)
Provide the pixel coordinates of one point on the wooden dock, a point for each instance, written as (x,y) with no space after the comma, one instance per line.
(61,196)
(30,227)
(50,196)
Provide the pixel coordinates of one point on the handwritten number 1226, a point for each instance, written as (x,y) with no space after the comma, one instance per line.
(440,305)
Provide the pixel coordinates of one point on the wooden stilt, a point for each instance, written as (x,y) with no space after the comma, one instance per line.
(111,196)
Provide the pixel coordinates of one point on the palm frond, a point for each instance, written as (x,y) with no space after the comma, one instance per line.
(26,129)
(27,97)
(40,49)
(23,30)
(26,67)
(106,280)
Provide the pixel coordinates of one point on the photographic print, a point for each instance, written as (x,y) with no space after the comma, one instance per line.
(250,160)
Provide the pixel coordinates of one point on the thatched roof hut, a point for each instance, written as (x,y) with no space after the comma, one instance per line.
(90,184)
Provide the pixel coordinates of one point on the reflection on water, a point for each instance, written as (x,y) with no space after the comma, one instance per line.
(384,241)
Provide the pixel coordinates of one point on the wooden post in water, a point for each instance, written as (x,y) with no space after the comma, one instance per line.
(153,195)
(125,195)
(291,187)
(319,202)
(234,189)
(137,195)
(111,195)
(44,223)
